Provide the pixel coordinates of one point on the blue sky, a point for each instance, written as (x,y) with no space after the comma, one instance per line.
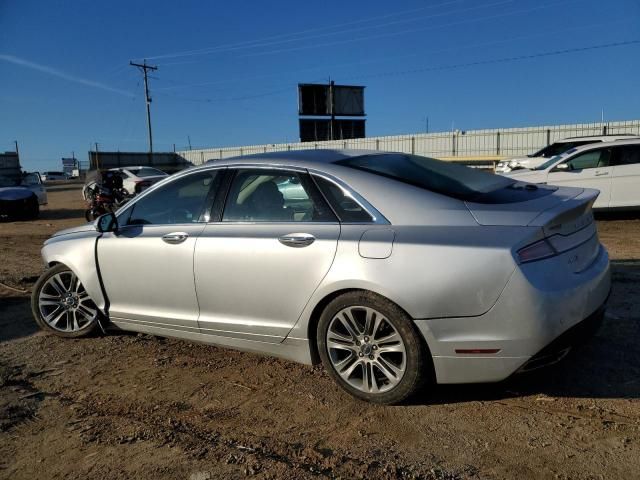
(228,70)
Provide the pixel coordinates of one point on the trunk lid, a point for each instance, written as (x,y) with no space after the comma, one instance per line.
(562,210)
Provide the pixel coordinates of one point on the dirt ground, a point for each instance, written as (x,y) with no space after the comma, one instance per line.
(136,406)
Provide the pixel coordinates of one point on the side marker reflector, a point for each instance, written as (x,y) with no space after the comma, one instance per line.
(477,350)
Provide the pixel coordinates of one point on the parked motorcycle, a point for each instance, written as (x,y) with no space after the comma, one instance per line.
(104,196)
(102,200)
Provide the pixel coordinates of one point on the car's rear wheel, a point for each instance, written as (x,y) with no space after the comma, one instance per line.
(61,305)
(371,348)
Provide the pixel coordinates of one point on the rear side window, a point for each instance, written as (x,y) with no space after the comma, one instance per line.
(446,178)
(342,203)
(627,155)
(274,196)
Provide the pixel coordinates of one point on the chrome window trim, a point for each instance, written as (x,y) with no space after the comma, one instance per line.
(170,179)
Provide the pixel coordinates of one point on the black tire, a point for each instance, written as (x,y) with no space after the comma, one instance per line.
(418,364)
(37,314)
(32,209)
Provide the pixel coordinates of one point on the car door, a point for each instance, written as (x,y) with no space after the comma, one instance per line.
(258,265)
(625,182)
(590,169)
(146,266)
(34,183)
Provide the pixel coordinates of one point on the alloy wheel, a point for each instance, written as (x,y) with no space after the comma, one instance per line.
(65,305)
(365,349)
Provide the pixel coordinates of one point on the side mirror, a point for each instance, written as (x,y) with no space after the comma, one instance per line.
(107,223)
(562,167)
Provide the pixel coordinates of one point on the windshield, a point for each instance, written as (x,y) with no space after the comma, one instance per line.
(558,148)
(146,172)
(8,182)
(447,178)
(553,160)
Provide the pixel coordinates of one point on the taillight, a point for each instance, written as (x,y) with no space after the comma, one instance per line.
(536,251)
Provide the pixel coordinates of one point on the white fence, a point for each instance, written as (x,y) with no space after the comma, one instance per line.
(469,146)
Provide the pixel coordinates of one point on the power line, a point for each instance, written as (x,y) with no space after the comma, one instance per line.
(203,51)
(501,60)
(449,67)
(542,33)
(406,31)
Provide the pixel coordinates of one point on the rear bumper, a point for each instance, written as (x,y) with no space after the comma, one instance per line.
(541,305)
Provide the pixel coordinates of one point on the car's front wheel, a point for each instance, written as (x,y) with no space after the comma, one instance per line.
(61,305)
(371,348)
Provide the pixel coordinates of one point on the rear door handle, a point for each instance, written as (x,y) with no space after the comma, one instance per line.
(599,174)
(175,237)
(297,240)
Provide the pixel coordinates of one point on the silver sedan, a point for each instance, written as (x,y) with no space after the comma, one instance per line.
(393,270)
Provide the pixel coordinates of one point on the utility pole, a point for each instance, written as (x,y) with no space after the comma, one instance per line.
(17,152)
(97,162)
(331,107)
(145,68)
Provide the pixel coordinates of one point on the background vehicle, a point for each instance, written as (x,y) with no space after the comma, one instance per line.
(391,269)
(134,179)
(538,158)
(53,176)
(137,179)
(16,200)
(105,197)
(611,167)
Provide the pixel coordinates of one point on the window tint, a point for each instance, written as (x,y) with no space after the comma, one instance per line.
(591,159)
(346,207)
(558,148)
(145,172)
(627,155)
(274,196)
(182,201)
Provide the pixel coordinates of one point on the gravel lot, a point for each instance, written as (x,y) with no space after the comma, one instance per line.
(135,406)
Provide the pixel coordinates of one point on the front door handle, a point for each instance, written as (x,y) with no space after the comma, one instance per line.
(297,240)
(599,174)
(175,237)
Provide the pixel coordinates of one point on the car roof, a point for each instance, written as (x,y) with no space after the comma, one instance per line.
(302,158)
(599,138)
(614,143)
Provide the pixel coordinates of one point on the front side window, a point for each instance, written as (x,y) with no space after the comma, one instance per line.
(591,159)
(274,196)
(185,200)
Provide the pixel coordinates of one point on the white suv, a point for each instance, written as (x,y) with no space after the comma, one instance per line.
(538,158)
(611,167)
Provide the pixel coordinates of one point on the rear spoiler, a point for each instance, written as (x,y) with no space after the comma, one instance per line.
(568,216)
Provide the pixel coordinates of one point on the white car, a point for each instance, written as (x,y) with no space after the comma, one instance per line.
(541,156)
(137,179)
(52,176)
(611,167)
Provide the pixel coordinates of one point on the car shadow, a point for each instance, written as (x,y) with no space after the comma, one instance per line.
(607,366)
(15,318)
(62,214)
(617,215)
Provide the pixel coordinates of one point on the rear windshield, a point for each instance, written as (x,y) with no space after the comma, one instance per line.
(446,178)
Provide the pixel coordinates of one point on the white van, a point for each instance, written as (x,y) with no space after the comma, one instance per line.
(611,167)
(556,148)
